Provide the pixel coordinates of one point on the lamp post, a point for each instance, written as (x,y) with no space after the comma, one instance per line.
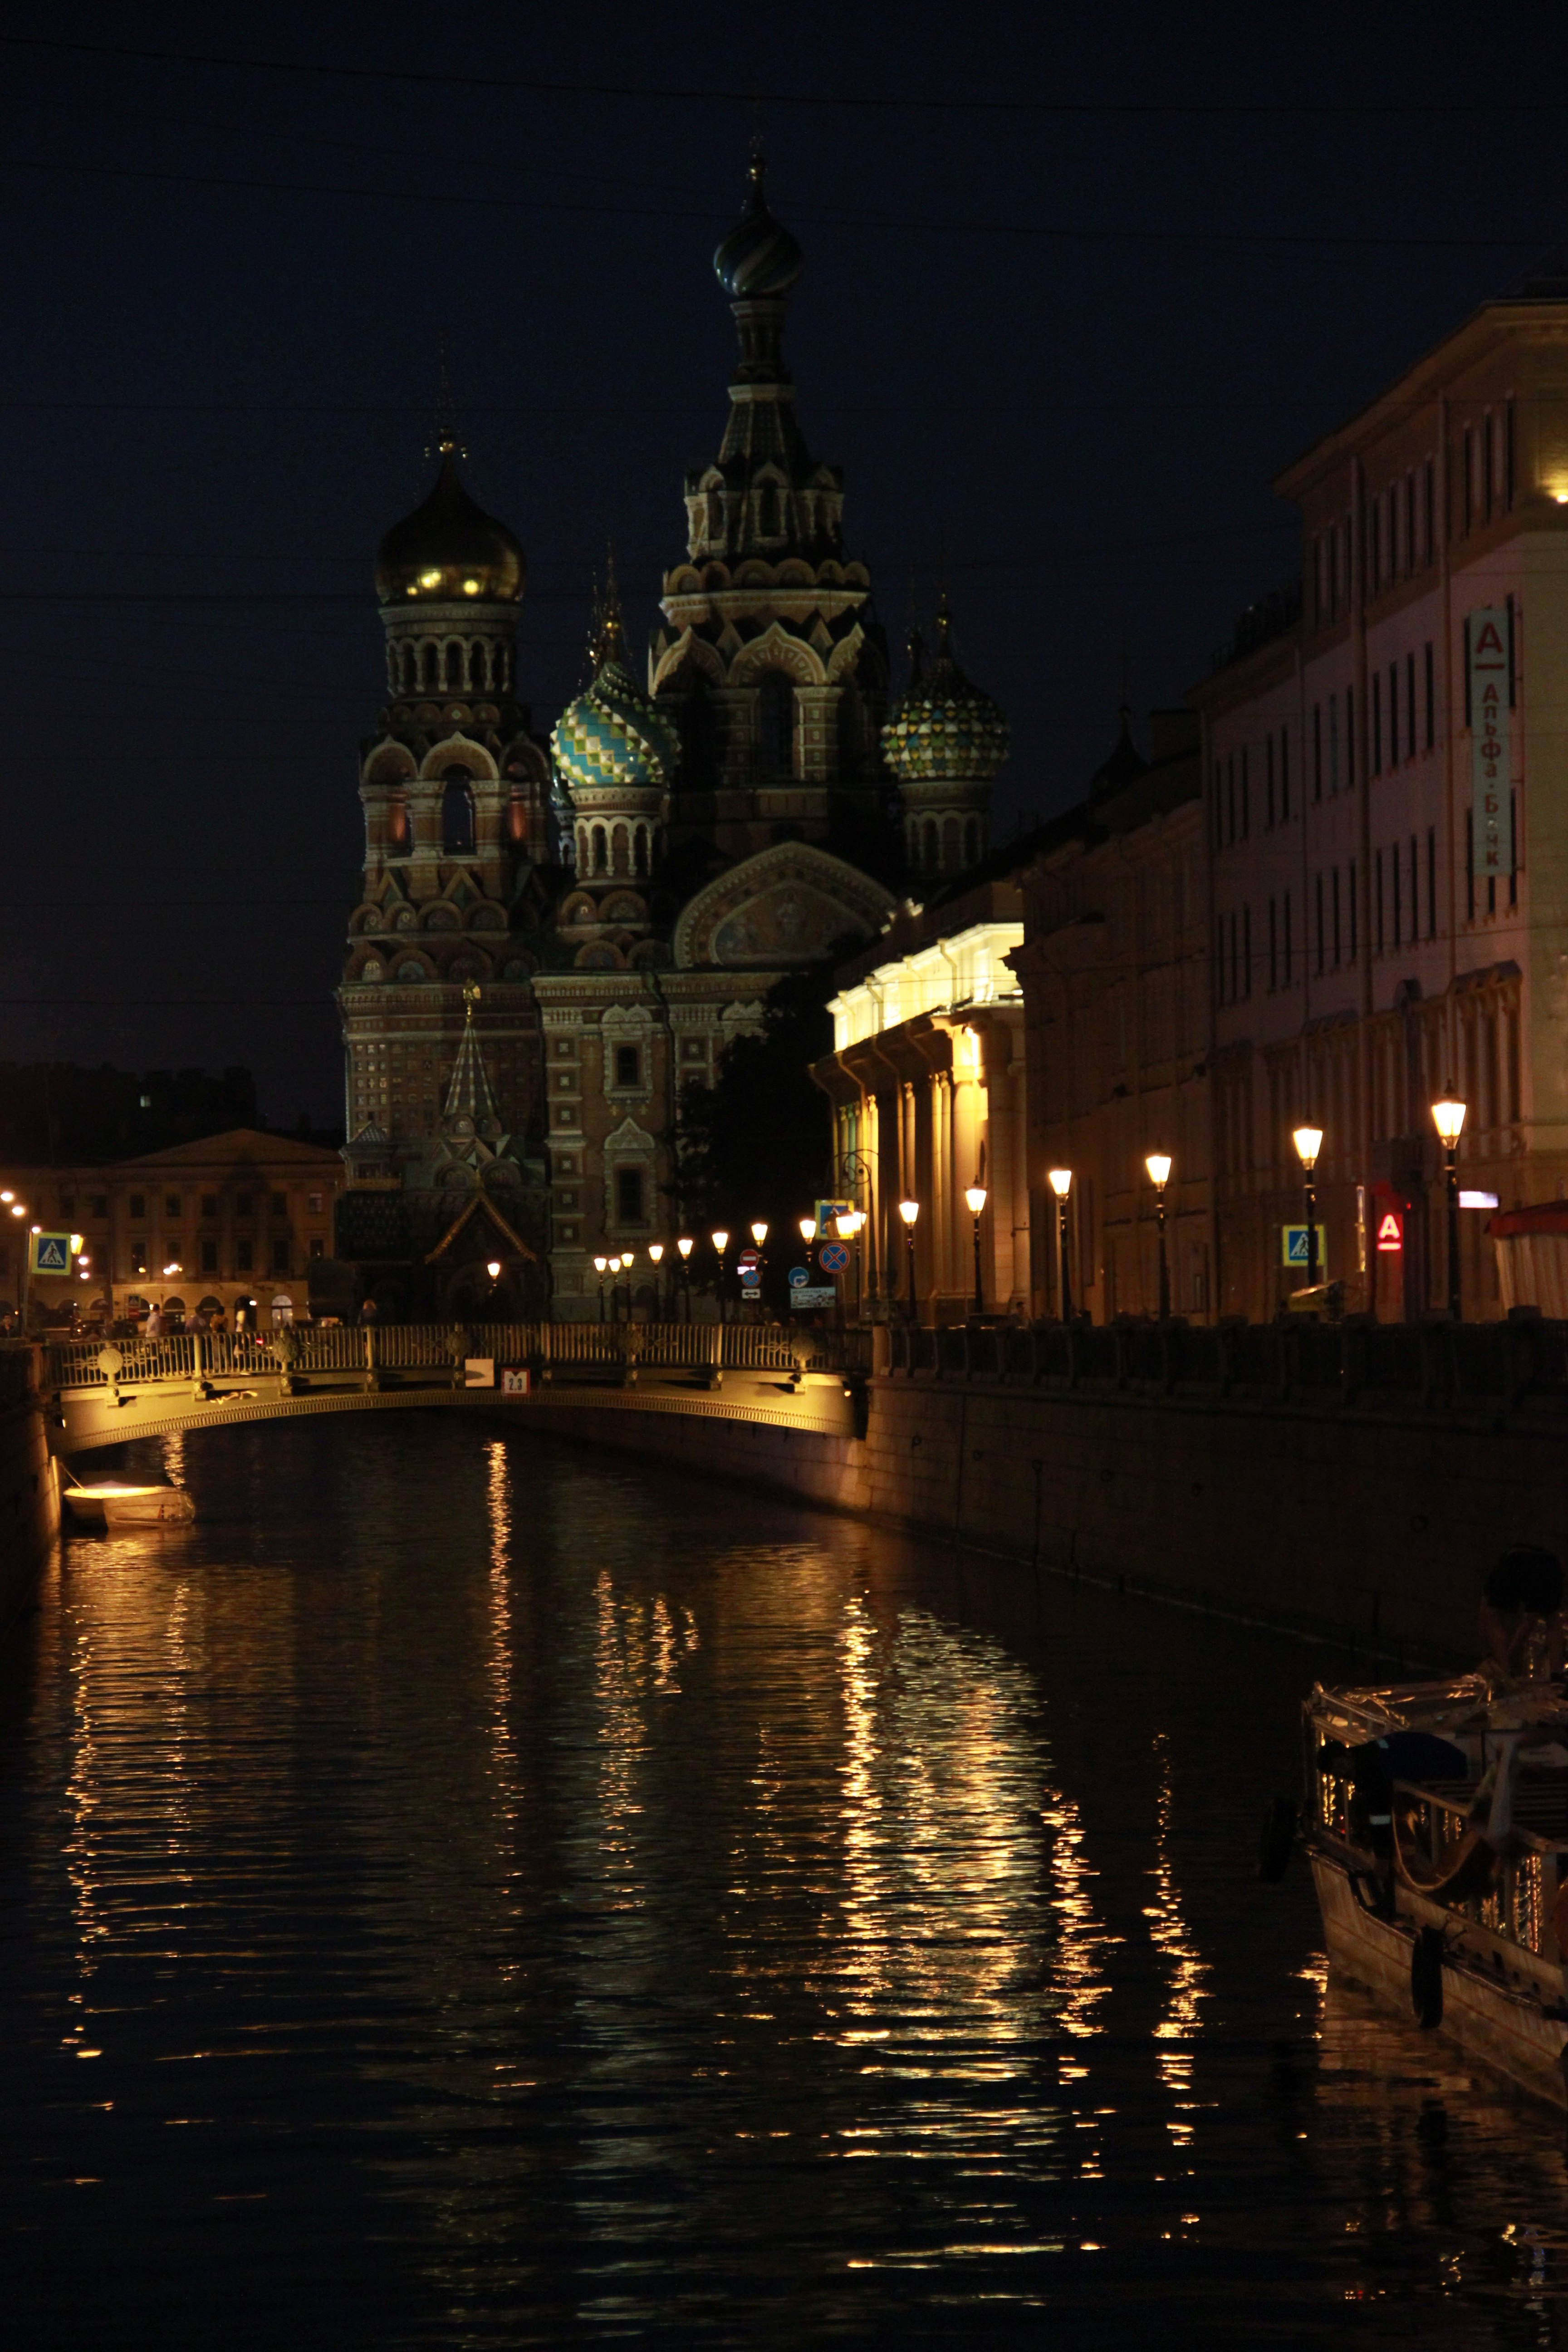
(975,1196)
(684,1246)
(721,1244)
(909,1211)
(1158,1163)
(849,1221)
(655,1253)
(1060,1182)
(1448,1117)
(1308,1143)
(600,1264)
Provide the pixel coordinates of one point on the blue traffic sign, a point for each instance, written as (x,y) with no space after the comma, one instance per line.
(833,1258)
(797,1275)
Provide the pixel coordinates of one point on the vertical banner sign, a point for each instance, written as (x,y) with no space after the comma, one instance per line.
(1488,737)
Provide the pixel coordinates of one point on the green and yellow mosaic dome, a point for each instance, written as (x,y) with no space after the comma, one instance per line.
(944,725)
(614,735)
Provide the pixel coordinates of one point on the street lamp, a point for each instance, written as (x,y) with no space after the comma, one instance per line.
(721,1244)
(909,1211)
(1060,1182)
(1448,1117)
(759,1230)
(1158,1163)
(599,1265)
(684,1246)
(1308,1143)
(975,1196)
(807,1230)
(655,1251)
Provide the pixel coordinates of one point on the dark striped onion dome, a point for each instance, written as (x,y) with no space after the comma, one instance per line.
(759,256)
(449,550)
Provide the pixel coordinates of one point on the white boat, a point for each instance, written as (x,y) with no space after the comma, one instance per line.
(1437,1829)
(111,1504)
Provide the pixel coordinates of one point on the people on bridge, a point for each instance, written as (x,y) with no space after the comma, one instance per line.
(1521,1626)
(153,1327)
(369,1312)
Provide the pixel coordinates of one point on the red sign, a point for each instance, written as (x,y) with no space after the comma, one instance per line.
(1391,1230)
(746,1258)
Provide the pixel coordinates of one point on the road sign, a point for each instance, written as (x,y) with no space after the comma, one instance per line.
(833,1258)
(797,1275)
(51,1254)
(813,1294)
(828,1214)
(748,1261)
(1391,1230)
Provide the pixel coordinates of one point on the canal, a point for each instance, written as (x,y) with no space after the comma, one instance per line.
(472,1891)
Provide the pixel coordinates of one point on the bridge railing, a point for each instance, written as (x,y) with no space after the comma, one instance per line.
(581,1349)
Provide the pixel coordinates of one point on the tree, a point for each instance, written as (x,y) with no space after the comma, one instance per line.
(758,1141)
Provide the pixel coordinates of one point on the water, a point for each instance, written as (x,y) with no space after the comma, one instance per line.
(469,1891)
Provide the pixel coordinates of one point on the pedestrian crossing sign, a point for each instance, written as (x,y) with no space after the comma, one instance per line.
(51,1254)
(1293,1248)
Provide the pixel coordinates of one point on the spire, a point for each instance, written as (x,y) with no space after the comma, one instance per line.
(612,642)
(445,441)
(470,1097)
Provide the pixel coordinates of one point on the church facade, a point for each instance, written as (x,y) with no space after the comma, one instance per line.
(554,937)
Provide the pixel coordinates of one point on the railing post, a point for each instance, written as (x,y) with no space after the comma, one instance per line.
(199,1389)
(713,1370)
(372,1360)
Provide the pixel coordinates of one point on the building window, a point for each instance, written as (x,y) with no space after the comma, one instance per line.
(1394,879)
(1284,775)
(1378,722)
(138,1205)
(1335,893)
(1414,893)
(1431,881)
(280,1256)
(1246,950)
(1431,700)
(1410,706)
(315,1203)
(209,1204)
(1394,714)
(775,725)
(242,1205)
(628,1196)
(101,1205)
(1268,783)
(1350,886)
(172,1205)
(628,1066)
(1218,809)
(243,1256)
(1230,797)
(280,1204)
(1333,745)
(1289,966)
(209,1255)
(1246,800)
(318,1248)
(1318,887)
(1317,750)
(1377,910)
(1273,947)
(138,1257)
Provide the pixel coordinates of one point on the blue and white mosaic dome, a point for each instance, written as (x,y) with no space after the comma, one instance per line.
(615,735)
(944,725)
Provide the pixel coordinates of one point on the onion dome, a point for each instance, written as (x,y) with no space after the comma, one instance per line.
(759,256)
(448,550)
(614,735)
(944,726)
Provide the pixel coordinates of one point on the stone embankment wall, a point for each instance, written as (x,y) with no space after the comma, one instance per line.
(1362,1518)
(29,1485)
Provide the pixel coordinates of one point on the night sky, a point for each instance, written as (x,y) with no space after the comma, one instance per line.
(1076,288)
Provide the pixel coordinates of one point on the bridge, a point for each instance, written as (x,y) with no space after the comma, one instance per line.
(95,1394)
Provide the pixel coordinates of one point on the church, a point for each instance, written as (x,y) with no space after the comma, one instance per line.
(555,935)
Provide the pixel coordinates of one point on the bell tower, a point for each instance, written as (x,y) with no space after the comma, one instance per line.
(770,660)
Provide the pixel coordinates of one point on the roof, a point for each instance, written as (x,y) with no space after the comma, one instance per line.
(243,1143)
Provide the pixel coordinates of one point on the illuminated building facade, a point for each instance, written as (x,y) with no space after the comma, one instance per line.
(1390,874)
(623,897)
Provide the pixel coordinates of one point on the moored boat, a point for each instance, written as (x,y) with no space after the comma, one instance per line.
(1436,1825)
(111,1504)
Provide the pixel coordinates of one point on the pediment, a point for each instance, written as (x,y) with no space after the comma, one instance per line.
(791,904)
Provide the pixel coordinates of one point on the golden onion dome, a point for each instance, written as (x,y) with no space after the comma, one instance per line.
(448,551)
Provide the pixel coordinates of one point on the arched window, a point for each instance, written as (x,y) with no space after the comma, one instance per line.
(400,828)
(640,846)
(476,666)
(601,851)
(432,667)
(621,851)
(498,669)
(775,725)
(410,669)
(458,813)
(929,860)
(453,664)
(768,511)
(971,841)
(950,845)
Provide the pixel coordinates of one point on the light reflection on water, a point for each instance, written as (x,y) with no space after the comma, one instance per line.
(468,1892)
